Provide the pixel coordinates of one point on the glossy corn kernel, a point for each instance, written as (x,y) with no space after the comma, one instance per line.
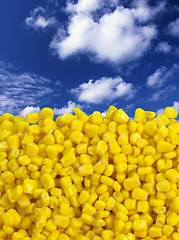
(139,194)
(32,117)
(47,181)
(170,112)
(120,116)
(139,115)
(111,111)
(102,147)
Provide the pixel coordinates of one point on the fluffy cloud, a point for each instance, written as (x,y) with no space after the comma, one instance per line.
(173,28)
(163,47)
(66,109)
(161,75)
(19,90)
(84,6)
(39,18)
(162,94)
(104,89)
(117,34)
(29,109)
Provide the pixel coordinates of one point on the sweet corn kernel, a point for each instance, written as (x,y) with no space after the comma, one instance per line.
(120,116)
(139,194)
(86,169)
(155,232)
(101,148)
(131,183)
(140,225)
(61,221)
(47,181)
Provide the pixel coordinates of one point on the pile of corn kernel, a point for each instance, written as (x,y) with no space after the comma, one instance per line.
(89,177)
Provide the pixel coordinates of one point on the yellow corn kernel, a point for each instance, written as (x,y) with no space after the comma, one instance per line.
(101,148)
(107,136)
(120,116)
(76,136)
(96,118)
(114,146)
(7,177)
(167,230)
(110,112)
(24,160)
(155,232)
(86,169)
(107,234)
(163,146)
(132,126)
(139,115)
(32,117)
(121,167)
(29,185)
(83,197)
(89,209)
(163,186)
(34,129)
(172,219)
(112,126)
(91,130)
(140,225)
(175,204)
(172,175)
(130,204)
(150,114)
(118,225)
(48,139)
(131,183)
(100,205)
(139,194)
(61,221)
(70,191)
(13,142)
(26,222)
(46,112)
(149,150)
(160,220)
(170,112)
(32,150)
(47,181)
(150,127)
(86,218)
(123,139)
(142,207)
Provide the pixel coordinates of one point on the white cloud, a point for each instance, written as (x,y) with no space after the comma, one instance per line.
(104,89)
(39,18)
(176,105)
(163,47)
(66,109)
(144,12)
(162,94)
(84,6)
(29,109)
(120,35)
(161,75)
(173,28)
(19,90)
(104,113)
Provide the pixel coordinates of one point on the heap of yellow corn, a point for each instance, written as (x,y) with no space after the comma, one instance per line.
(89,177)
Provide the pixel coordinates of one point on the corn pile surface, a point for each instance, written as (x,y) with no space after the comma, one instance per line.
(93,177)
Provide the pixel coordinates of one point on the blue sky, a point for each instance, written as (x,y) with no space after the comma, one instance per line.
(88,53)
